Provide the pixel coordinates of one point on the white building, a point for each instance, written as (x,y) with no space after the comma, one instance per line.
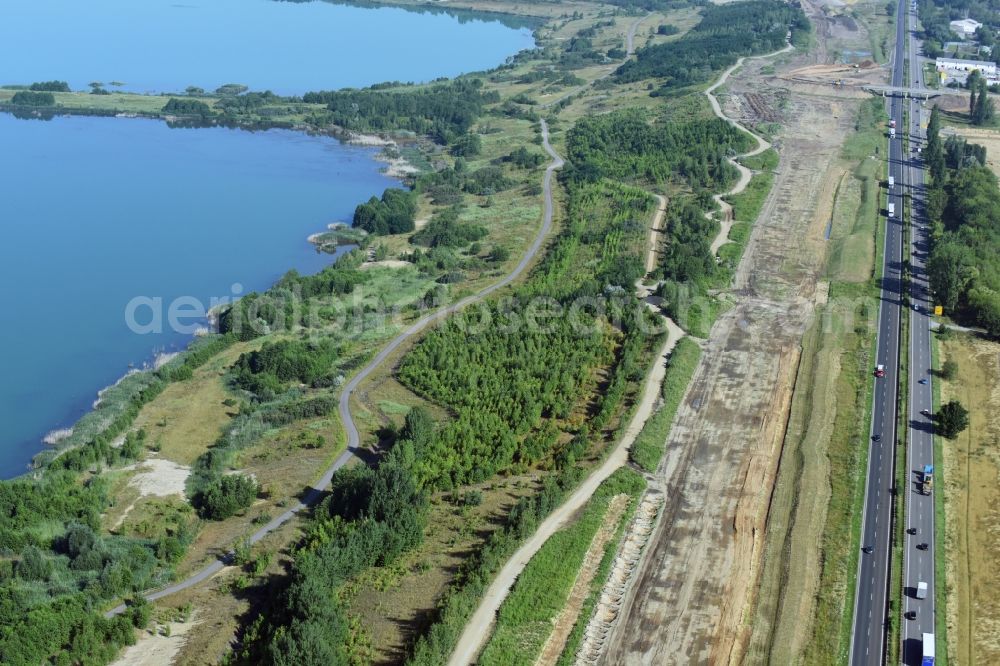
(966,27)
(950,69)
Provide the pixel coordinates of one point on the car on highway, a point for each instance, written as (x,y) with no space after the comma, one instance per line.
(880,370)
(876,437)
(867,549)
(925,412)
(911,530)
(910,615)
(921,546)
(922,381)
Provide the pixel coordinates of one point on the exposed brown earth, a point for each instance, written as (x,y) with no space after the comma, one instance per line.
(700,574)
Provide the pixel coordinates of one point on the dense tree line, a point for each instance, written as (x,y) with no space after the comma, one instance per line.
(625,146)
(257,314)
(50,86)
(687,254)
(963,205)
(724,33)
(467,145)
(29,98)
(248,103)
(443,111)
(981,109)
(524,158)
(226,496)
(394,213)
(187,107)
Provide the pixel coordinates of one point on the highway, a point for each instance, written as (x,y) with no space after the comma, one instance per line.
(868,630)
(918,564)
(916,616)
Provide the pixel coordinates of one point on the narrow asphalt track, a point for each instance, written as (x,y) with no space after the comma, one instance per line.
(315,492)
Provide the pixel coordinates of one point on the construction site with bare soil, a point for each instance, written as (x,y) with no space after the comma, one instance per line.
(732,569)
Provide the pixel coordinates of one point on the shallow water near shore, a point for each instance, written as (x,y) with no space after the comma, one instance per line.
(286,47)
(97,211)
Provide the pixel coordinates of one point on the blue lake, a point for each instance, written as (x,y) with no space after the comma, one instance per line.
(287,47)
(98,211)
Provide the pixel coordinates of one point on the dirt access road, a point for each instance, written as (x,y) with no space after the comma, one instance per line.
(478,628)
(688,600)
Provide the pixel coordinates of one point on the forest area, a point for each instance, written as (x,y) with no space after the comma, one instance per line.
(963,205)
(724,34)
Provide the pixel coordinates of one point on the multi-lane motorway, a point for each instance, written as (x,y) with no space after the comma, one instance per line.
(869,627)
(870,622)
(918,561)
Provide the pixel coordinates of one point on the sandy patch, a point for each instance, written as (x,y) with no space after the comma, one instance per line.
(158,477)
(155,649)
(386,263)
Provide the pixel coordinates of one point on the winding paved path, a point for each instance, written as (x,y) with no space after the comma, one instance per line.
(315,492)
(726,217)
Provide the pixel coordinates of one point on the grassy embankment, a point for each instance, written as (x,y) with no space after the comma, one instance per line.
(813,524)
(652,441)
(526,618)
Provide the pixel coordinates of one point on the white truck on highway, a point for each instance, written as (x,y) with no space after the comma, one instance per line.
(928,660)
(892,209)
(892,181)
(921,590)
(892,132)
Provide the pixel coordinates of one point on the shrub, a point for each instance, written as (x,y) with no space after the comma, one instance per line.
(227,497)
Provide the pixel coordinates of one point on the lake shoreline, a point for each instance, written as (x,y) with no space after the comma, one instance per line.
(58,436)
(302,118)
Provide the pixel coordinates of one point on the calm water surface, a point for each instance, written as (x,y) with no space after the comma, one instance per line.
(287,47)
(96,211)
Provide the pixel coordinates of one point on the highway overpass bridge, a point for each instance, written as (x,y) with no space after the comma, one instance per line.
(910,92)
